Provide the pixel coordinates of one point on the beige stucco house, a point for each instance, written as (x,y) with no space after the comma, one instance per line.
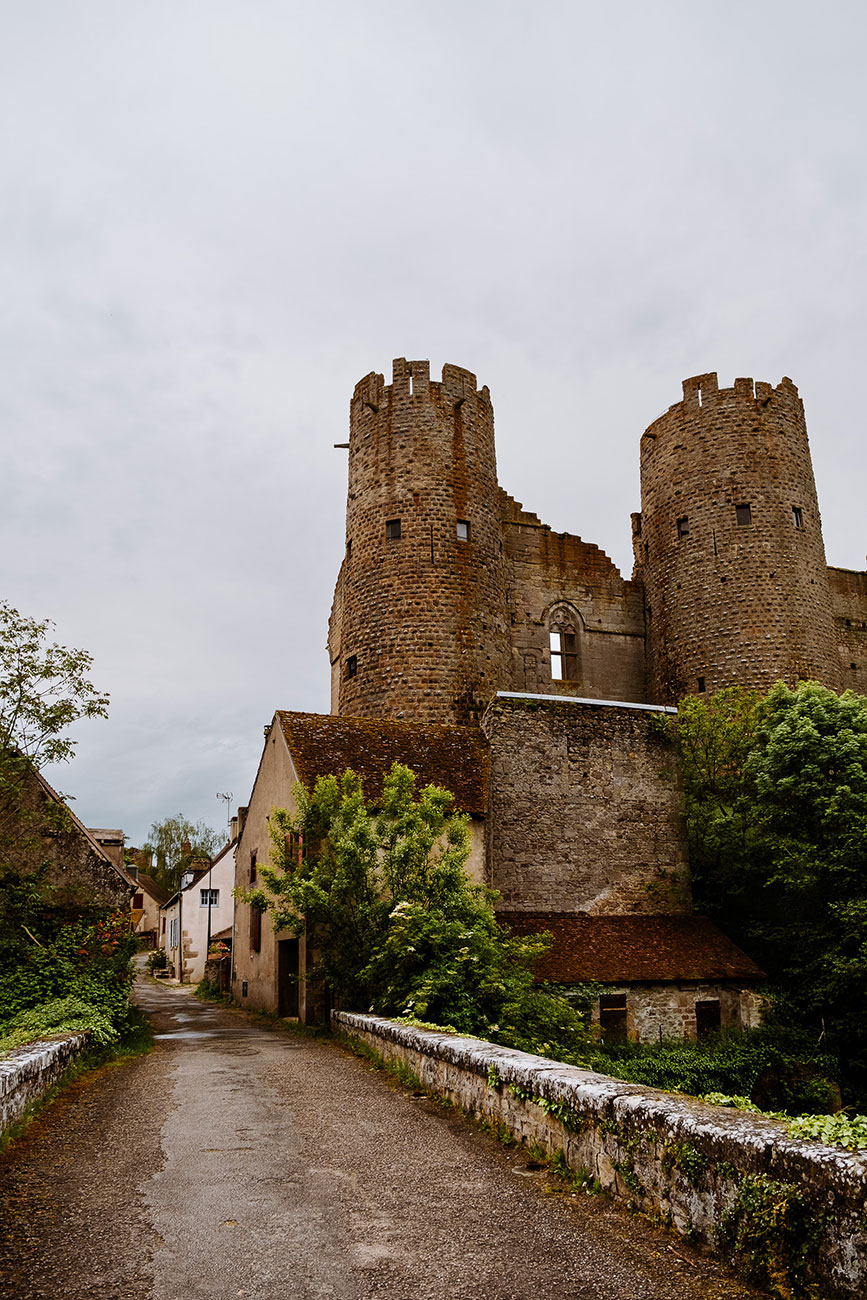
(201,907)
(269,968)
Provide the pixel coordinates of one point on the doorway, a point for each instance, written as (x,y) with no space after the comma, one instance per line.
(287,977)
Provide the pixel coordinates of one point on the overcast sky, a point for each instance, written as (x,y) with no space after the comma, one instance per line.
(217,215)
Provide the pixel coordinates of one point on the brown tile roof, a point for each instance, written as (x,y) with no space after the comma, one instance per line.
(633,949)
(156,891)
(450,756)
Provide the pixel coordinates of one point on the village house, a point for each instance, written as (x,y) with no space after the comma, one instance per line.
(195,913)
(270,968)
(147,900)
(79,874)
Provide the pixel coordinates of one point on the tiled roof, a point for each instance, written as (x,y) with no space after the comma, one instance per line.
(633,949)
(156,891)
(450,756)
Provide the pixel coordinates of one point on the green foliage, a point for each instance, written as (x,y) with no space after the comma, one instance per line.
(767,1063)
(60,1015)
(736,1103)
(768,1233)
(44,688)
(396,926)
(46,959)
(175,842)
(834,1130)
(776,805)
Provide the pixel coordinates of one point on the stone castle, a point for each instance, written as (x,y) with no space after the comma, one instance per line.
(516,667)
(450,591)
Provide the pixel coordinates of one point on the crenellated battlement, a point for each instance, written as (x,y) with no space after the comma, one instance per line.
(704,390)
(411,381)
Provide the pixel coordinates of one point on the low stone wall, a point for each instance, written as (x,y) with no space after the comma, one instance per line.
(27,1073)
(789,1213)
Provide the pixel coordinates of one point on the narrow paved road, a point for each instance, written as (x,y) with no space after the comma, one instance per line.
(237,1160)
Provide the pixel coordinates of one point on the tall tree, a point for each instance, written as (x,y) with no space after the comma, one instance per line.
(175,842)
(44,688)
(776,792)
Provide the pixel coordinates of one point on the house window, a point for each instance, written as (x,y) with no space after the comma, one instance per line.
(612,1017)
(352,666)
(564,656)
(164,925)
(700,685)
(463,530)
(252,866)
(392,530)
(255,929)
(295,847)
(173,932)
(707,1017)
(138,901)
(743,514)
(683,526)
(209,898)
(797,516)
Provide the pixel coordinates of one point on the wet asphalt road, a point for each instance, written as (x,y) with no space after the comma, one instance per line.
(240,1160)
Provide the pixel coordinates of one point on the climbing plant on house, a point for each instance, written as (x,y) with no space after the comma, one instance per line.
(396,925)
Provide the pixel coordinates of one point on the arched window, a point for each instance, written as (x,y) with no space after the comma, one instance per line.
(563,627)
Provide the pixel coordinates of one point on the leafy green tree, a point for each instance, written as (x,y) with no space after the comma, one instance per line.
(397,927)
(44,688)
(776,798)
(175,842)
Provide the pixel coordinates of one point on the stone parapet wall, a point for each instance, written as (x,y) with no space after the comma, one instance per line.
(27,1073)
(703,1170)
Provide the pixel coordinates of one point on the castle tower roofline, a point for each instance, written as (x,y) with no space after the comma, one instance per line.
(412,379)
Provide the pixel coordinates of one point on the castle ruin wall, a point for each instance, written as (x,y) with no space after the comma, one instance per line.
(585,809)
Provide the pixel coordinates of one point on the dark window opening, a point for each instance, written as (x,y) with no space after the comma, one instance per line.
(700,685)
(743,514)
(797,516)
(295,846)
(463,530)
(164,925)
(352,666)
(252,866)
(243,988)
(708,1018)
(138,901)
(392,530)
(348,547)
(853,665)
(564,656)
(255,929)
(683,526)
(612,1017)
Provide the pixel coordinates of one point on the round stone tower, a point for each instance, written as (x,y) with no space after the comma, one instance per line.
(729,544)
(419,625)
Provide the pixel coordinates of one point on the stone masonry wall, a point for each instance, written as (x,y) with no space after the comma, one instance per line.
(849,596)
(418,627)
(730,602)
(695,1167)
(655,1011)
(27,1073)
(585,809)
(560,583)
